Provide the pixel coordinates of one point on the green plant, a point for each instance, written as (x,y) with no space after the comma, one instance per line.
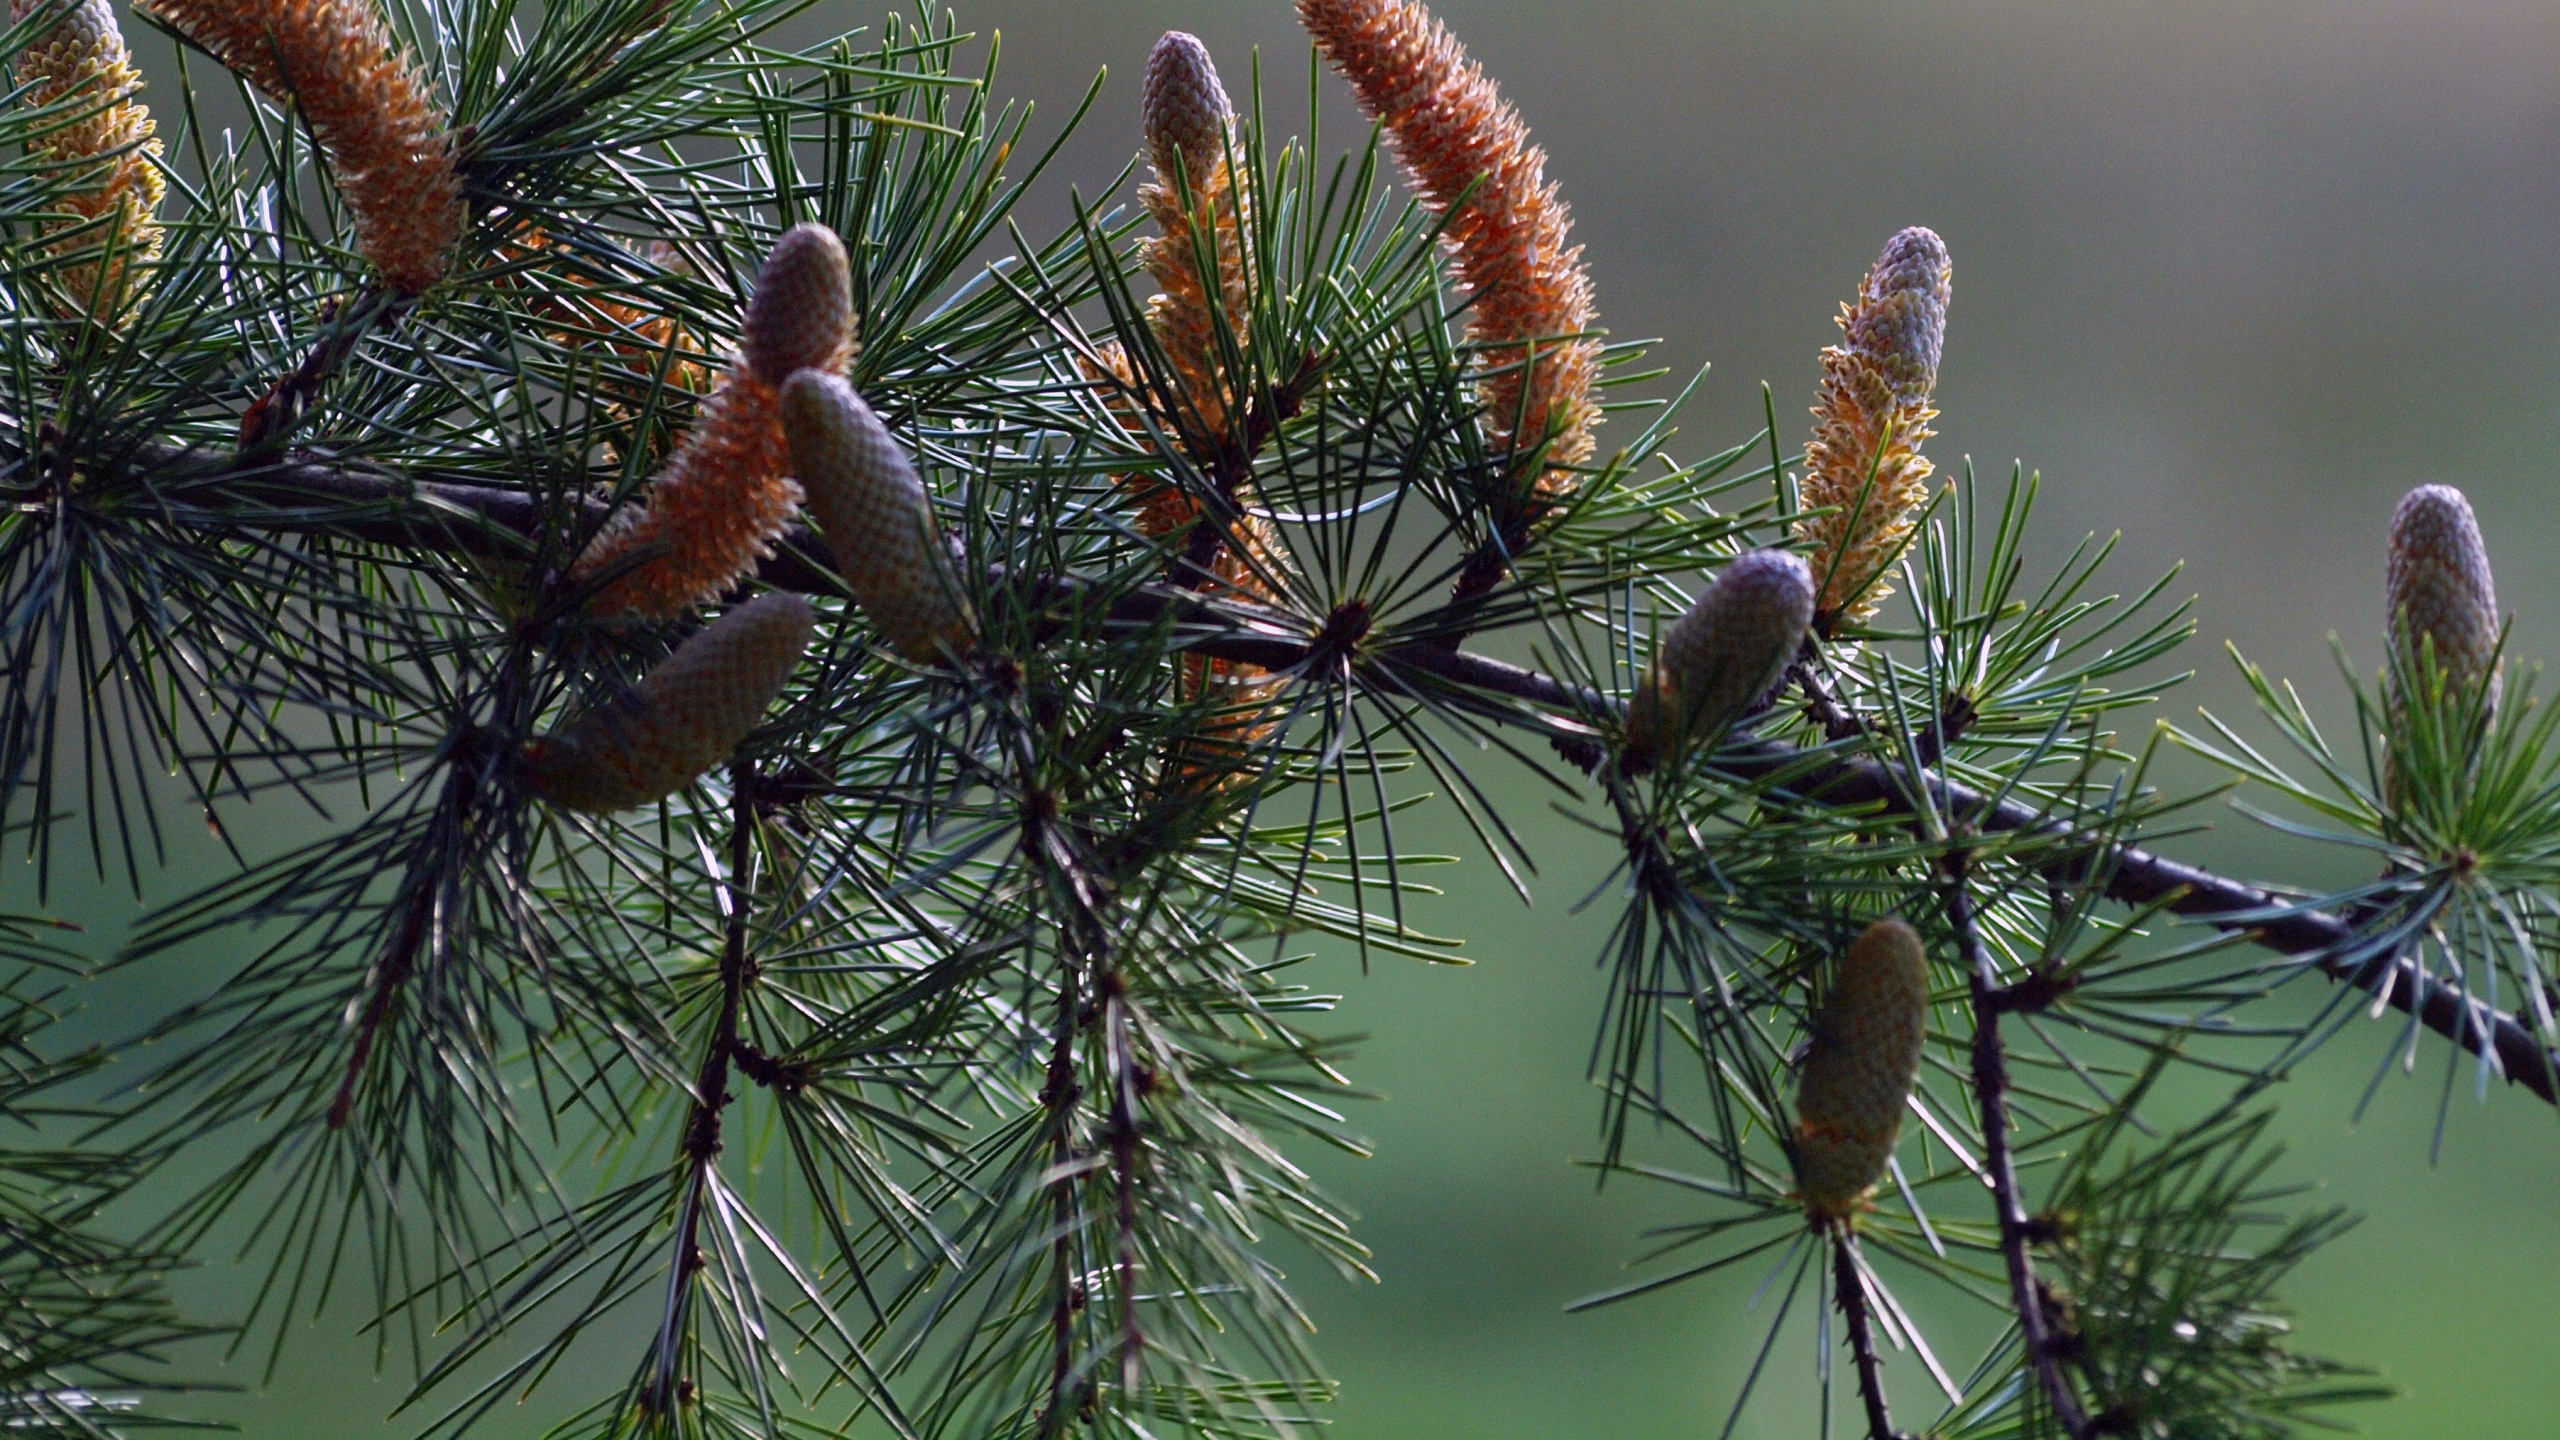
(1138,622)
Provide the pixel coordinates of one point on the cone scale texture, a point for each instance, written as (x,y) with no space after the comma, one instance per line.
(876,517)
(1187,116)
(681,719)
(726,493)
(387,141)
(2442,596)
(1184,111)
(1461,141)
(78,64)
(1726,652)
(1858,1076)
(1864,462)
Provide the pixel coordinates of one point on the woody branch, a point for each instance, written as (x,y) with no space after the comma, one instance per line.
(376,506)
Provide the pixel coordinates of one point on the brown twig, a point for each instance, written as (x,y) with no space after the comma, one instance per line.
(342,328)
(399,960)
(701,1144)
(1849,1288)
(2044,1346)
(1059,1094)
(1124,1176)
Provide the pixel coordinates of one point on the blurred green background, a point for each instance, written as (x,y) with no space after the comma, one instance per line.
(2232,277)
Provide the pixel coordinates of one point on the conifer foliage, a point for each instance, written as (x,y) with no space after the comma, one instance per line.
(795,904)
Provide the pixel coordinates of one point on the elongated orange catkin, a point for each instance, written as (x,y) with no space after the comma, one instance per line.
(2443,599)
(876,517)
(726,494)
(107,140)
(681,719)
(387,140)
(1453,130)
(1723,654)
(1873,415)
(1859,1073)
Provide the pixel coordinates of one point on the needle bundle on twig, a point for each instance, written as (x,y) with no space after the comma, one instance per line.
(386,138)
(106,138)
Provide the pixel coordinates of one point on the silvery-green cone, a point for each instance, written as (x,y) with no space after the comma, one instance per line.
(1725,653)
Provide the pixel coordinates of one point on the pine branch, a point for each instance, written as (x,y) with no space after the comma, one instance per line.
(2044,1345)
(440,516)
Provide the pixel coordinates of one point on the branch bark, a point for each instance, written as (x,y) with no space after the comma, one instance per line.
(2044,1346)
(377,507)
(701,1145)
(1849,1288)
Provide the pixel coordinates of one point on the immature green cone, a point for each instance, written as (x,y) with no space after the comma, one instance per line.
(1184,110)
(2441,591)
(875,516)
(681,719)
(801,316)
(1858,1075)
(1724,654)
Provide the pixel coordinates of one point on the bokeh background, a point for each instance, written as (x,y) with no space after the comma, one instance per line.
(2232,277)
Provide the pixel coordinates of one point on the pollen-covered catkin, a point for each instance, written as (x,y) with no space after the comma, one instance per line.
(681,719)
(388,142)
(726,494)
(876,517)
(2442,596)
(1858,1075)
(1724,653)
(1864,463)
(106,141)
(1449,124)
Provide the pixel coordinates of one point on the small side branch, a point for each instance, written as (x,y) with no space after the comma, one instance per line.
(1060,1094)
(667,1387)
(1849,1287)
(2044,1347)
(1125,1083)
(399,960)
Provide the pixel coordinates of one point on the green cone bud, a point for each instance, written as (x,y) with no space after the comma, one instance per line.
(1725,653)
(875,516)
(681,719)
(801,316)
(1184,110)
(1900,320)
(2441,592)
(1859,1073)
